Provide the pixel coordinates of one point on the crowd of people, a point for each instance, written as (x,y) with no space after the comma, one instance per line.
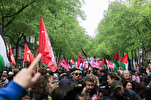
(74,84)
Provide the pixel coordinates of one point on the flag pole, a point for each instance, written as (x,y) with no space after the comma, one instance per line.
(23,63)
(38,63)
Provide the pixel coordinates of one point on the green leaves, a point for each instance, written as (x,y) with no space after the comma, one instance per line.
(123,28)
(21,21)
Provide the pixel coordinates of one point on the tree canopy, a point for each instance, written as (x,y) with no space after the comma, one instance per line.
(125,27)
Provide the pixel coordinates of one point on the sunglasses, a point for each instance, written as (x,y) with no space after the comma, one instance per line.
(78,74)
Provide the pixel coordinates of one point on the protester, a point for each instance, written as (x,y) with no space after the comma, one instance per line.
(89,88)
(75,77)
(129,85)
(59,93)
(119,73)
(102,93)
(136,77)
(126,75)
(120,93)
(22,81)
(143,78)
(111,77)
(64,82)
(5,71)
(103,74)
(64,75)
(95,71)
(10,75)
(26,97)
(139,88)
(39,90)
(148,80)
(4,79)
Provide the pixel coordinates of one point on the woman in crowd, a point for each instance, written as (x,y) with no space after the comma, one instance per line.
(136,77)
(39,90)
(139,88)
(129,85)
(111,77)
(51,83)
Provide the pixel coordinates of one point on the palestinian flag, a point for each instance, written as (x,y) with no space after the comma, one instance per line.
(103,63)
(124,62)
(3,53)
(86,58)
(116,61)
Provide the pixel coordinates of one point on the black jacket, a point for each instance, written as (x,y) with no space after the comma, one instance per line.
(128,95)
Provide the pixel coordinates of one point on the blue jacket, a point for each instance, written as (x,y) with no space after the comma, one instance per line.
(12,91)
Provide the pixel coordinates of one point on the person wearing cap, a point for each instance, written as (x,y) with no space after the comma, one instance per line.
(75,77)
(120,93)
(10,76)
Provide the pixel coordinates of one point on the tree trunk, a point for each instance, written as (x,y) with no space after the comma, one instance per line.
(16,54)
(139,58)
(136,60)
(145,58)
(132,58)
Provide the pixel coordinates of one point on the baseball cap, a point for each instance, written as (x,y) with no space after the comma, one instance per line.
(115,84)
(10,73)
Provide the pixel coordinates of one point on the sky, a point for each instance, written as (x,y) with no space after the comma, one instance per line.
(94,13)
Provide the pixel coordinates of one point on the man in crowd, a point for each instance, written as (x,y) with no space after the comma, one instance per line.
(4,79)
(75,78)
(89,88)
(120,93)
(102,75)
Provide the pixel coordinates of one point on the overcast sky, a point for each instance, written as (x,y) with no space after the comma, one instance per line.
(94,13)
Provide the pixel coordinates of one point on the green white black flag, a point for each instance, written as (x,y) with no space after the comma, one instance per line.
(3,54)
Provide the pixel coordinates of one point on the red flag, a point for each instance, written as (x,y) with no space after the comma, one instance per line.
(80,59)
(71,61)
(110,65)
(124,59)
(11,56)
(45,48)
(28,56)
(103,61)
(116,57)
(66,60)
(85,64)
(98,61)
(63,64)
